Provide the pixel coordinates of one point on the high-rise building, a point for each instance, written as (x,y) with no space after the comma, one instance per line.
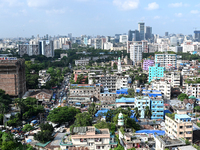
(166,34)
(107,38)
(44,47)
(98,43)
(166,60)
(147,63)
(70,35)
(137,36)
(141,28)
(12,76)
(141,103)
(136,52)
(130,35)
(148,33)
(197,36)
(173,41)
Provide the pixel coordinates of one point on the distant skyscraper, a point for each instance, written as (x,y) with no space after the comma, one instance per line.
(197,36)
(166,34)
(70,35)
(148,33)
(130,35)
(108,39)
(173,41)
(137,36)
(136,53)
(141,28)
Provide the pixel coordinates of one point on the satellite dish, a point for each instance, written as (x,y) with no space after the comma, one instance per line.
(162,124)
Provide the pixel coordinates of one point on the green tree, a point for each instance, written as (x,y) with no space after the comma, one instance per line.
(103,125)
(131,92)
(182,96)
(45,134)
(197,108)
(27,128)
(62,114)
(92,109)
(148,112)
(187,142)
(136,112)
(114,66)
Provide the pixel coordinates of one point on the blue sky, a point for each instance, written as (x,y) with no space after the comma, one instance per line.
(23,18)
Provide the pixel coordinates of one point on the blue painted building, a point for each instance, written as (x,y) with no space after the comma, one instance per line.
(182,118)
(157,108)
(156,72)
(141,102)
(125,102)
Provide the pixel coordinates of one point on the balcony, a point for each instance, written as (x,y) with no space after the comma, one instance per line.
(100,142)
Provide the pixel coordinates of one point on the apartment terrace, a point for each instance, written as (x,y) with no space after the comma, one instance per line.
(169,142)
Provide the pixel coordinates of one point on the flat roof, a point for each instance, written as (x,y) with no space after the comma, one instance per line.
(189,147)
(182,116)
(125,100)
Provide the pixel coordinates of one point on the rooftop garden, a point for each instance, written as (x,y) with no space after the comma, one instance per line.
(172,116)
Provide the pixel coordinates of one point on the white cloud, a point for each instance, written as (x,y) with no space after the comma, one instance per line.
(126,4)
(37,3)
(156,17)
(152,6)
(178,14)
(194,11)
(11,3)
(178,5)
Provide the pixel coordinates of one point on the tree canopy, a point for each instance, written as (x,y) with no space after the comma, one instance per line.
(182,96)
(62,114)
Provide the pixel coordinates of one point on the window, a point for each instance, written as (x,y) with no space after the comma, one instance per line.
(102,147)
(181,127)
(97,147)
(180,132)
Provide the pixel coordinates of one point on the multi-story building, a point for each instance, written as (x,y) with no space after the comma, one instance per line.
(166,60)
(112,82)
(193,90)
(156,72)
(12,76)
(157,108)
(98,43)
(108,45)
(82,62)
(44,47)
(179,126)
(141,102)
(44,77)
(147,63)
(136,53)
(123,38)
(174,78)
(162,86)
(89,137)
(141,28)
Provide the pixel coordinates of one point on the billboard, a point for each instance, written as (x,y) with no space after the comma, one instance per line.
(8,58)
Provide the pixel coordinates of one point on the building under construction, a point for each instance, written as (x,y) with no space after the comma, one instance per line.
(12,76)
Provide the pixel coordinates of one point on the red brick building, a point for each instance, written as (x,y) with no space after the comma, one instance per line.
(12,76)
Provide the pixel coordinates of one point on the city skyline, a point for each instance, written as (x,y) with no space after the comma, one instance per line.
(23,18)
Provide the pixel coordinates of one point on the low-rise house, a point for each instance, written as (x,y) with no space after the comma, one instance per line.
(125,102)
(39,94)
(189,104)
(82,62)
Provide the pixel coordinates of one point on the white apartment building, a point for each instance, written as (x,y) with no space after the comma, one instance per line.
(166,60)
(123,38)
(193,90)
(82,62)
(89,137)
(163,86)
(108,45)
(173,78)
(112,82)
(98,43)
(189,46)
(136,53)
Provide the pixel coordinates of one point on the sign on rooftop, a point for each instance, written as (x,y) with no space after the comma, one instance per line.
(8,58)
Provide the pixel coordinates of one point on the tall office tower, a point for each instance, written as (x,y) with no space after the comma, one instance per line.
(46,48)
(173,41)
(130,35)
(12,76)
(70,35)
(197,36)
(136,53)
(38,37)
(98,43)
(166,34)
(119,66)
(47,37)
(141,28)
(137,36)
(85,41)
(31,50)
(148,33)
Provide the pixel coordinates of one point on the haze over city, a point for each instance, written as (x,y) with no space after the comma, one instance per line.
(23,18)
